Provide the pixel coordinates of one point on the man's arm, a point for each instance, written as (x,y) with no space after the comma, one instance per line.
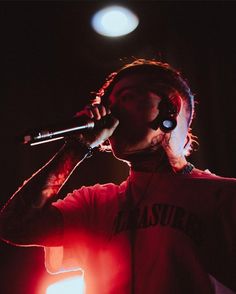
(28,218)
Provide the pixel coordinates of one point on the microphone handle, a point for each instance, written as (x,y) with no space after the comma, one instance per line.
(76,125)
(45,136)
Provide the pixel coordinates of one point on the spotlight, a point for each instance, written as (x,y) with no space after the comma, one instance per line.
(73,285)
(114,21)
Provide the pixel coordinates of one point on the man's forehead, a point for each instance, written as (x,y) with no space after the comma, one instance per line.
(140,80)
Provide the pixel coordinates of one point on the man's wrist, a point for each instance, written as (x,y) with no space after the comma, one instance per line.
(79,144)
(86,147)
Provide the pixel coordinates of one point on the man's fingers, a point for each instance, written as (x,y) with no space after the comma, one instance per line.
(95,111)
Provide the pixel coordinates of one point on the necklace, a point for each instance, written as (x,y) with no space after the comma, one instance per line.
(187,169)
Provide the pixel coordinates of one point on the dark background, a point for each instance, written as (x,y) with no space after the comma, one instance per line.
(51,60)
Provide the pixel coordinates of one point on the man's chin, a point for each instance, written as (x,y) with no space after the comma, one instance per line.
(133,154)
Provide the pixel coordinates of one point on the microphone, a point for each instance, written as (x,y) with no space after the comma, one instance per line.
(60,131)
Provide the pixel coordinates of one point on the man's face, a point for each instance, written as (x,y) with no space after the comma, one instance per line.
(134,102)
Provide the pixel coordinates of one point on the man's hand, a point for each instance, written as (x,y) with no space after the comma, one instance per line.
(97,136)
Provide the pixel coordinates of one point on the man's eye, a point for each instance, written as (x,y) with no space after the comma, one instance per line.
(127,96)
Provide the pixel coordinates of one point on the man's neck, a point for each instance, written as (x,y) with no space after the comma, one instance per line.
(156,162)
(149,162)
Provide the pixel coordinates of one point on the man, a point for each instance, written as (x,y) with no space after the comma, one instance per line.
(169,228)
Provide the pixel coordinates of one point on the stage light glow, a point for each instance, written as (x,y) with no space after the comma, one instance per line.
(73,285)
(114,21)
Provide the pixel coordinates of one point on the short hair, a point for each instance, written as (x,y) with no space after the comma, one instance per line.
(159,72)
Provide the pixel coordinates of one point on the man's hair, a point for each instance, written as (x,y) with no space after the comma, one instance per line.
(158,72)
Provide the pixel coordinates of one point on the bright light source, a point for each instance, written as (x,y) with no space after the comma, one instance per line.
(114,21)
(73,285)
